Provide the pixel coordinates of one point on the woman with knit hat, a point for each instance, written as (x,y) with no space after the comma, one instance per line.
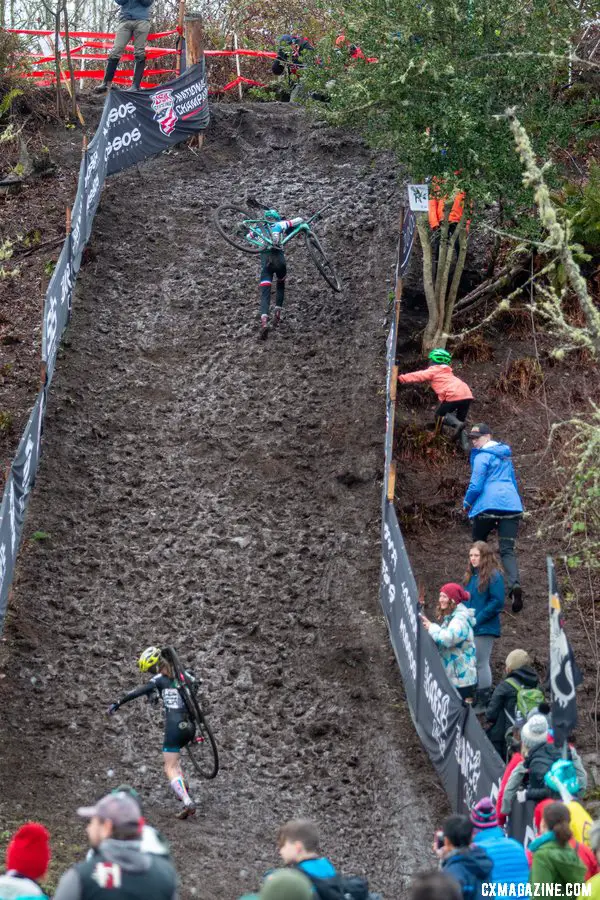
(454,638)
(502,711)
(27,860)
(554,861)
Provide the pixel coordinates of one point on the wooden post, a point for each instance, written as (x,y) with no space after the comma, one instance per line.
(194,53)
(180,18)
(68,221)
(194,38)
(391,483)
(238,68)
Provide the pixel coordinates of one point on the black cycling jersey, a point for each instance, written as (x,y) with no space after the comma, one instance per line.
(179,730)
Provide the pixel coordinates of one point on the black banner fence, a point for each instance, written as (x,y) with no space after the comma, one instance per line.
(463,757)
(134,126)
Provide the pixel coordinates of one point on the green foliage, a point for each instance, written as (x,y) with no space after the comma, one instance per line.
(577,507)
(446,73)
(581,208)
(6,422)
(40,536)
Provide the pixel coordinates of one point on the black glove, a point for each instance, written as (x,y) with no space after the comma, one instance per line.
(112,709)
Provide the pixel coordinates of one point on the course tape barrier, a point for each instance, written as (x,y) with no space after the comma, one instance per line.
(466,762)
(134,126)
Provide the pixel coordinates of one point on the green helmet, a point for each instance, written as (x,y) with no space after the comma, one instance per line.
(440,356)
(271,215)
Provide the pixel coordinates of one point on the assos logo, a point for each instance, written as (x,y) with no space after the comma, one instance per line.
(122,142)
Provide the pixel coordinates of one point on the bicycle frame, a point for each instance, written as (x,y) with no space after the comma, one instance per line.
(255,227)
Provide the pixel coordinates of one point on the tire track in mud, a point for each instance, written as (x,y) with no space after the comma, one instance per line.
(207,490)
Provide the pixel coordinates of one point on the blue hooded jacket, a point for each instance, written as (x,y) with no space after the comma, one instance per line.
(487,603)
(508,856)
(134,9)
(470,868)
(493,484)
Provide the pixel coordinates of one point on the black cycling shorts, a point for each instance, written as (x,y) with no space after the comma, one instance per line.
(178,733)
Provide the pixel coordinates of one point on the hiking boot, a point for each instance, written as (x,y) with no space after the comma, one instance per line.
(277,316)
(517,598)
(109,74)
(186,812)
(138,72)
(264,328)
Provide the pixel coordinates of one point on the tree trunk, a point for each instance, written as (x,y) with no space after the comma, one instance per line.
(463,243)
(428,285)
(74,108)
(57,69)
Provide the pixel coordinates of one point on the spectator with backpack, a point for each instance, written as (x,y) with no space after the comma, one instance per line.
(27,860)
(485,584)
(539,758)
(508,856)
(454,395)
(554,862)
(454,638)
(517,695)
(585,853)
(299,846)
(467,863)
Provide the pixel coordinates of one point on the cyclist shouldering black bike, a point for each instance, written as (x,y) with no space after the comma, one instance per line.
(185,724)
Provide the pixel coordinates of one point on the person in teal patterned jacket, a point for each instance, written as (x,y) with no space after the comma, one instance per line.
(455,639)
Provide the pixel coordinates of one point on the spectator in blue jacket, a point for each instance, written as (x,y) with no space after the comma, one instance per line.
(509,859)
(298,843)
(485,584)
(468,864)
(492,502)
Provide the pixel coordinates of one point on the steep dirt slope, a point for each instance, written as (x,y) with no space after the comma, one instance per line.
(205,489)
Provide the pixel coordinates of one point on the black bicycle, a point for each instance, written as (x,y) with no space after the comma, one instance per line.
(202,749)
(253,235)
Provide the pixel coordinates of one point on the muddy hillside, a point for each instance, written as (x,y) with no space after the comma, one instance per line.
(201,488)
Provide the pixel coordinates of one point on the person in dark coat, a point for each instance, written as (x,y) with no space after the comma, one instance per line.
(469,865)
(501,710)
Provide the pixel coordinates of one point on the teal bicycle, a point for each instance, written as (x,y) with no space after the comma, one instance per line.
(253,234)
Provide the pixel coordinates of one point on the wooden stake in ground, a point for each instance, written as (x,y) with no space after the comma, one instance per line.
(194,53)
(179,42)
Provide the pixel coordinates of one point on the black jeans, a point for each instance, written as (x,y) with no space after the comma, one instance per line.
(507,525)
(272,264)
(460,408)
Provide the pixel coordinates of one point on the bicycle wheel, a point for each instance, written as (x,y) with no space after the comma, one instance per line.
(227,219)
(321,262)
(202,750)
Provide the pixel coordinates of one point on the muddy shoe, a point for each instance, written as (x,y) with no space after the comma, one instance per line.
(101,88)
(517,598)
(277,316)
(264,328)
(186,812)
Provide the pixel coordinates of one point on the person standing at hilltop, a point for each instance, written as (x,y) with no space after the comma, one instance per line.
(492,502)
(134,23)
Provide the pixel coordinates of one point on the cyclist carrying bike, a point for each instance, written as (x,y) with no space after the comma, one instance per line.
(179,727)
(273,264)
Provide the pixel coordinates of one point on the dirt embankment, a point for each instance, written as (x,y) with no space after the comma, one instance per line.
(203,489)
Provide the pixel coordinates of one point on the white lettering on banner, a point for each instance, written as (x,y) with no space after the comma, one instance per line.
(94,190)
(12,517)
(385,577)
(120,112)
(190,105)
(122,141)
(26,469)
(2,566)
(469,762)
(51,325)
(391,547)
(439,703)
(410,610)
(412,662)
(91,167)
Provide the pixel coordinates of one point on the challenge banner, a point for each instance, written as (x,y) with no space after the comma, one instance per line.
(134,126)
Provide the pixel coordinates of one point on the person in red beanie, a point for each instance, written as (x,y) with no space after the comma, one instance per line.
(585,853)
(454,638)
(27,860)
